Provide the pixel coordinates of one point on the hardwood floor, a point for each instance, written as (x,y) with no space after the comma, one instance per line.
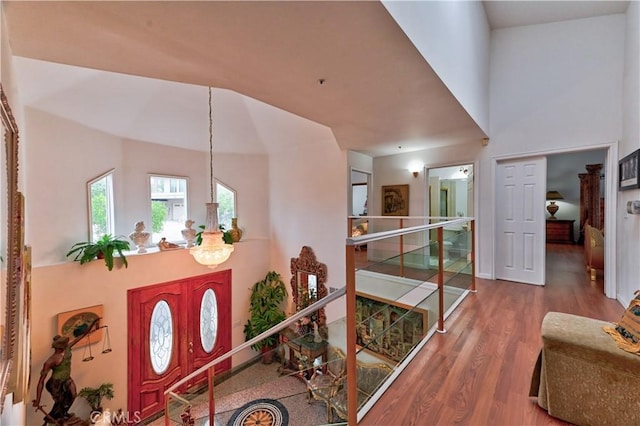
(479,372)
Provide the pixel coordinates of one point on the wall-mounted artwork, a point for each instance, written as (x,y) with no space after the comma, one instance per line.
(73,323)
(629,171)
(387,328)
(20,373)
(14,245)
(395,200)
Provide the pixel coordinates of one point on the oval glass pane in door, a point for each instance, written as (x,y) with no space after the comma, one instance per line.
(161,337)
(208,320)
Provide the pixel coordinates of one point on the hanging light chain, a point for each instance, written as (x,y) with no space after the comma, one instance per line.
(211,143)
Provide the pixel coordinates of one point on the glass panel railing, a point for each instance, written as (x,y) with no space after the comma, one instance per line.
(273,385)
(407,265)
(406,284)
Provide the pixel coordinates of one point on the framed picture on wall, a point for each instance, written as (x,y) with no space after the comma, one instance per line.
(395,200)
(72,324)
(629,171)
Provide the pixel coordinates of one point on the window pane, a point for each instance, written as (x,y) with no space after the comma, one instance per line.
(226,198)
(161,337)
(208,320)
(168,207)
(101,206)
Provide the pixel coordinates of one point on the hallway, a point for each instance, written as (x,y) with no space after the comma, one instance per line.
(478,373)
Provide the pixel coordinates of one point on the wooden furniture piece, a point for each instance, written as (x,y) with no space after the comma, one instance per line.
(582,376)
(591,205)
(305,346)
(593,250)
(560,231)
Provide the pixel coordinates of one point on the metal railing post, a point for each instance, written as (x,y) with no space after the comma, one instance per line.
(401,250)
(473,256)
(440,234)
(212,402)
(352,392)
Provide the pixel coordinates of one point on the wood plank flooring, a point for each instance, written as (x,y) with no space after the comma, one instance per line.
(479,372)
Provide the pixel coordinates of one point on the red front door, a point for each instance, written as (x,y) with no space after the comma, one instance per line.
(175,328)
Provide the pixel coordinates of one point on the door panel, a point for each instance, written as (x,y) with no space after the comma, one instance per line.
(149,397)
(221,285)
(183,297)
(520,189)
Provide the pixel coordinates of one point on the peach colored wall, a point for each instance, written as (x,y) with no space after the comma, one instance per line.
(63,156)
(68,286)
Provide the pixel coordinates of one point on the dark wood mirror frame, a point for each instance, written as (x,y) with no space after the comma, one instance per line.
(13,244)
(302,267)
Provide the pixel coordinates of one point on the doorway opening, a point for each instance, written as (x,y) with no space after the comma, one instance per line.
(360,184)
(608,193)
(450,194)
(451,191)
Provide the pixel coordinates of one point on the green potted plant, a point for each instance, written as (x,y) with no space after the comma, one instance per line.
(94,395)
(265,312)
(101,249)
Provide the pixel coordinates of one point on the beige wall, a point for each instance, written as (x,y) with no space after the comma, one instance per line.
(68,286)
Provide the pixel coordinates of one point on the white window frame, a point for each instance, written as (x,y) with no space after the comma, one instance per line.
(155,238)
(110,204)
(235,203)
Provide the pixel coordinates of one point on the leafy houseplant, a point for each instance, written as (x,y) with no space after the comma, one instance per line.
(94,395)
(265,310)
(102,249)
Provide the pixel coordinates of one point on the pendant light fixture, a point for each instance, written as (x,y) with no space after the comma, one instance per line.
(212,251)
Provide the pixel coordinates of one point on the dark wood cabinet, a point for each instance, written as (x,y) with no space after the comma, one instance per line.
(560,231)
(591,204)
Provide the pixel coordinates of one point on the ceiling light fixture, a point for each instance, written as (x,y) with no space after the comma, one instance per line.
(212,251)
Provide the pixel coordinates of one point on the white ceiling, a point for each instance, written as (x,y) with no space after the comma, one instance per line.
(378,92)
(503,14)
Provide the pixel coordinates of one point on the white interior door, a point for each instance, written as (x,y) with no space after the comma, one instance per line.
(520,220)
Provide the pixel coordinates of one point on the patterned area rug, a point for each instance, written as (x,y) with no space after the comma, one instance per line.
(257,382)
(261,412)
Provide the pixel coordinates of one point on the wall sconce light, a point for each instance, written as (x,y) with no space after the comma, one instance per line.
(415,168)
(552,208)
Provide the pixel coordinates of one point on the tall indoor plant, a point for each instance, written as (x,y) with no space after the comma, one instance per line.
(103,248)
(266,311)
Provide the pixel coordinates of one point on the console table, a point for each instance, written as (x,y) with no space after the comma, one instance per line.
(305,346)
(560,231)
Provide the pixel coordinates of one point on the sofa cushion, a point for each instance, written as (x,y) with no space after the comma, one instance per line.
(626,333)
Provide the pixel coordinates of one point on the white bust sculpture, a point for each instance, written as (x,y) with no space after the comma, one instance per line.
(140,237)
(189,234)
